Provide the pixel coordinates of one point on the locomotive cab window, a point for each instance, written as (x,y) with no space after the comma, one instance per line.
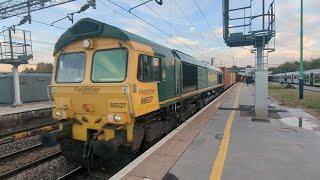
(109,65)
(148,69)
(71,67)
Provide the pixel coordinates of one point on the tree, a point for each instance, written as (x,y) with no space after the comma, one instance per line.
(294,66)
(41,68)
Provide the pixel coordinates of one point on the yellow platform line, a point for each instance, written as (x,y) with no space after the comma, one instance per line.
(221,156)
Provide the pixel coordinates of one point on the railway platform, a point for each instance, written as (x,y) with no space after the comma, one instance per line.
(222,142)
(32,106)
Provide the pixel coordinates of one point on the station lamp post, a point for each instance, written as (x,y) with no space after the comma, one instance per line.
(212,61)
(301,53)
(232,61)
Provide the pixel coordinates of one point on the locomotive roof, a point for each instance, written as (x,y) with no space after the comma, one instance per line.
(88,28)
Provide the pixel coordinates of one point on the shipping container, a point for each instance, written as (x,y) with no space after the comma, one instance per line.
(229,77)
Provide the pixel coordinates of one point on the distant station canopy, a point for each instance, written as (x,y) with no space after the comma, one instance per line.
(15,46)
(249,25)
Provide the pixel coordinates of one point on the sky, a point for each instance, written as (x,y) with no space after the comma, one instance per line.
(182,27)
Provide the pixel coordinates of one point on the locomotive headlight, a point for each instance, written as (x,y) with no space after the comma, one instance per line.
(117,118)
(58,113)
(61,114)
(87,43)
(64,114)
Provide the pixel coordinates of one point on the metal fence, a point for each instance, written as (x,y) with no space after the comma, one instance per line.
(33,87)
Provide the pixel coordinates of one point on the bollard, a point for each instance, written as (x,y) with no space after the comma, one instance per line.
(300,122)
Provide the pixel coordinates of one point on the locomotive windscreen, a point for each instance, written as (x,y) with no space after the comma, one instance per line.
(70,68)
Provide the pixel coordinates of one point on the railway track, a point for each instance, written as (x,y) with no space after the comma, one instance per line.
(27,113)
(82,173)
(74,173)
(27,132)
(28,165)
(21,151)
(26,158)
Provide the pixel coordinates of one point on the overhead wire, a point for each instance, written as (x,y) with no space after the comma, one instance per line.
(138,17)
(43,42)
(170,25)
(47,24)
(157,14)
(139,25)
(190,22)
(40,42)
(188,19)
(154,26)
(207,22)
(37,41)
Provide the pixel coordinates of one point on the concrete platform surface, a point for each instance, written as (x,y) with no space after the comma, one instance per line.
(8,109)
(222,142)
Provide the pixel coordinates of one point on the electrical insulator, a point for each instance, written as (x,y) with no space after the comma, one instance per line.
(92,3)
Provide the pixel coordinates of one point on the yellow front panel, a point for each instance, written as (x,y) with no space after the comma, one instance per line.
(145,98)
(212,77)
(144,95)
(93,105)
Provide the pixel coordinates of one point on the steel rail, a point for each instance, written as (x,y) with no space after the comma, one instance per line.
(29,165)
(20,151)
(27,111)
(27,132)
(71,174)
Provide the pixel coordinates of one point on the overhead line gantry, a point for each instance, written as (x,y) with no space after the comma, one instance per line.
(244,27)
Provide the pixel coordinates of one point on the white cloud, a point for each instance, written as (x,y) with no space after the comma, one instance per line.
(192,29)
(178,40)
(218,32)
(287,27)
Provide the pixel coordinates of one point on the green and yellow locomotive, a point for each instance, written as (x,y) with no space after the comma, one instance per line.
(117,90)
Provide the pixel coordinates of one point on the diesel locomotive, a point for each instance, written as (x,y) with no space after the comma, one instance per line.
(113,90)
